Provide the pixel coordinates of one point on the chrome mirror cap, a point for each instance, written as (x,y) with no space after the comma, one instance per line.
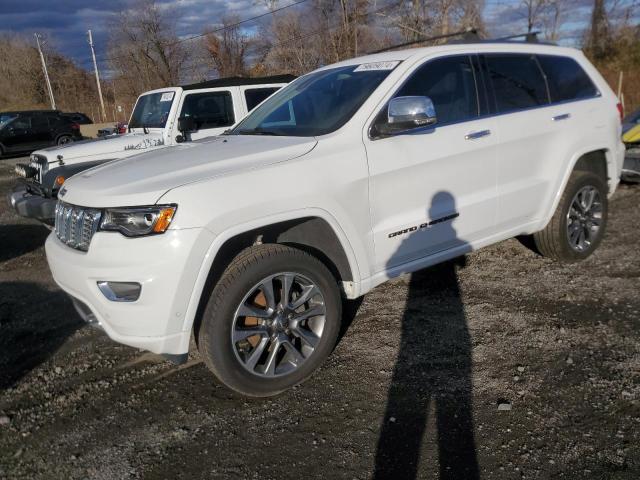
(413,111)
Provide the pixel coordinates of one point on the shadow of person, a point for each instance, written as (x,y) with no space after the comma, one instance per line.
(433,368)
(34,324)
(16,240)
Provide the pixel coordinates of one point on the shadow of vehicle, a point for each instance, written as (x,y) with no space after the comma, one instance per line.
(18,239)
(433,369)
(34,323)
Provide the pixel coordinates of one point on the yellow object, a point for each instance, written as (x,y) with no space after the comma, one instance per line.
(632,136)
(59,180)
(164,219)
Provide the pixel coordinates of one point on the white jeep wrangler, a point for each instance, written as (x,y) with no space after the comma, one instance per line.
(159,119)
(352,174)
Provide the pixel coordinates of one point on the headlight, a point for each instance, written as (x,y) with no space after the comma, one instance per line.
(137,221)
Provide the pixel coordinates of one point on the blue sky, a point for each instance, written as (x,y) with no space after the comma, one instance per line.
(65,22)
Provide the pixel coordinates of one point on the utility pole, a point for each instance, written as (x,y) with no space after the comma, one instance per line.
(95,67)
(46,74)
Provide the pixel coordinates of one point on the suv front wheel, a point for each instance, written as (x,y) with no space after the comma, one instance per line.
(579,222)
(272,319)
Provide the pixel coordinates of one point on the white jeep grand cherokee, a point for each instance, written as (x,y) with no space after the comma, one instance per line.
(355,173)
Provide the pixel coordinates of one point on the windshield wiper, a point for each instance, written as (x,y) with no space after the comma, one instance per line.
(257,131)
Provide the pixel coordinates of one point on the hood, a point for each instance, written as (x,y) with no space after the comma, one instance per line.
(143,179)
(105,148)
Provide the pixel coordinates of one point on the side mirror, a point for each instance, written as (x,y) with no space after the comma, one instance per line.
(411,111)
(408,113)
(186,125)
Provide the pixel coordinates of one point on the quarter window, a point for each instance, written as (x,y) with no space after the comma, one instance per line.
(255,96)
(567,80)
(449,82)
(209,109)
(517,82)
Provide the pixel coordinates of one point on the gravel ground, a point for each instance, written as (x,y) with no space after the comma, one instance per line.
(499,365)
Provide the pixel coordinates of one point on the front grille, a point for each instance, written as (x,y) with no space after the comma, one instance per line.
(75,225)
(40,164)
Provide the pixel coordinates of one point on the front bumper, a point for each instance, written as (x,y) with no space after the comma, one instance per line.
(631,167)
(27,204)
(165,265)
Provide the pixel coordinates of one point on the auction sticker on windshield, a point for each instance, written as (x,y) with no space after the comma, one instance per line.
(166,97)
(366,67)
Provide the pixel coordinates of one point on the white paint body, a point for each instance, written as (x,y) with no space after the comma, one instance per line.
(505,184)
(138,141)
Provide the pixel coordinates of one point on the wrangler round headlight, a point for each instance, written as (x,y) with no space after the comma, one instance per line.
(137,221)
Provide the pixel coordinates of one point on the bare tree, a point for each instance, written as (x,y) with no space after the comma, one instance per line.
(144,48)
(228,48)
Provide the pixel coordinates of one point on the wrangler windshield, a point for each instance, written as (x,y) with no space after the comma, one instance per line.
(152,110)
(316,104)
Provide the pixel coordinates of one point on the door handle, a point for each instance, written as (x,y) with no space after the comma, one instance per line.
(478,134)
(564,116)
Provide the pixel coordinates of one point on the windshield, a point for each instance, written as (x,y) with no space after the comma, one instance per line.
(316,104)
(6,118)
(152,110)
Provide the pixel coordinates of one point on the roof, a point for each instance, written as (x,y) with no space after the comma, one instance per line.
(23,112)
(484,46)
(237,81)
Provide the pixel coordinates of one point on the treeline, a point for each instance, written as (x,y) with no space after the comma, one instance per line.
(145,52)
(22,83)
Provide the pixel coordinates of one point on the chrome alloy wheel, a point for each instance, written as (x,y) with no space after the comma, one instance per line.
(584,218)
(278,324)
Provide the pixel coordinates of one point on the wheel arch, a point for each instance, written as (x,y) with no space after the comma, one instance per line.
(598,160)
(314,231)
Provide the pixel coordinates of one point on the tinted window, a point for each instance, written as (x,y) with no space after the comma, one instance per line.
(39,122)
(450,84)
(567,80)
(209,109)
(517,81)
(21,122)
(255,96)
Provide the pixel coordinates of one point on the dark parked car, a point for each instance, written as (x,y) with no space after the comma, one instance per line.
(27,131)
(79,118)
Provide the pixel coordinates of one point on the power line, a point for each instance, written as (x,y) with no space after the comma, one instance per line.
(220,29)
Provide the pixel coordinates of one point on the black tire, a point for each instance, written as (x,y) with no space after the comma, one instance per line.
(553,241)
(250,267)
(64,139)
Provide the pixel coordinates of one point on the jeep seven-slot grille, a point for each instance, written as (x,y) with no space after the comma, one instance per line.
(39,162)
(75,225)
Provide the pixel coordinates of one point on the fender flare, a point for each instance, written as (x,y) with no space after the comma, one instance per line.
(222,237)
(569,170)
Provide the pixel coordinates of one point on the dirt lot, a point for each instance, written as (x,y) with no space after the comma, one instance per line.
(502,365)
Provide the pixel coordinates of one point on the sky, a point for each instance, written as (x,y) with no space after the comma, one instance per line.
(64,23)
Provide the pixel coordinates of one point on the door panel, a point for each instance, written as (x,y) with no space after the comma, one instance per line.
(435,188)
(213,112)
(427,177)
(17,135)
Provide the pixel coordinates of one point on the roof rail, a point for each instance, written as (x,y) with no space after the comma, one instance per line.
(529,37)
(468,34)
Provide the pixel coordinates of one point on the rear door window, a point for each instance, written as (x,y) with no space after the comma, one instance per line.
(209,109)
(566,78)
(517,81)
(21,123)
(255,96)
(450,83)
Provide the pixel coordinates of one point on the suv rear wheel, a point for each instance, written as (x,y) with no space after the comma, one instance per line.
(579,222)
(64,139)
(272,319)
